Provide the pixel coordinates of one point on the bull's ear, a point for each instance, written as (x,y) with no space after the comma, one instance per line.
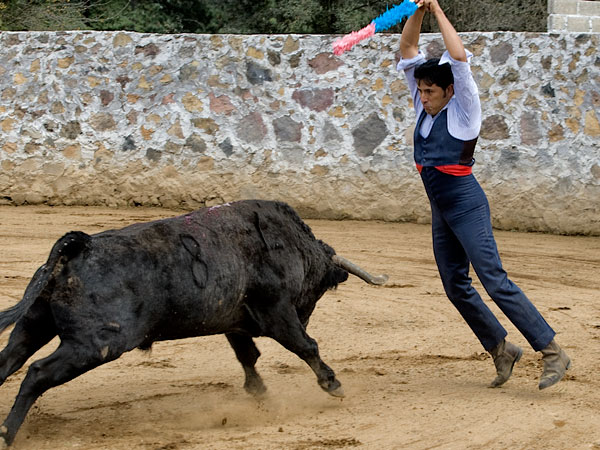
(190,244)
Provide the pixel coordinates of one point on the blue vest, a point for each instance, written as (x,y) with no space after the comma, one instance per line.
(440,148)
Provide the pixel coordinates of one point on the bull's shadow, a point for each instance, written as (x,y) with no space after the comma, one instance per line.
(245,269)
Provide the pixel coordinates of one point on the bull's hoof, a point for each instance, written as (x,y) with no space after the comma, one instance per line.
(334,388)
(256,389)
(3,435)
(337,392)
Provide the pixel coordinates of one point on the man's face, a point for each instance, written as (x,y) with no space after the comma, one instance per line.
(433,97)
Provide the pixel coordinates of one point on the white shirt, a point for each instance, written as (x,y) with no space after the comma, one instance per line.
(464,108)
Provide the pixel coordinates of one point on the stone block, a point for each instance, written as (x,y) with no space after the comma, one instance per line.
(287,129)
(579,24)
(592,125)
(587,8)
(325,62)
(369,134)
(562,6)
(557,22)
(495,128)
(595,24)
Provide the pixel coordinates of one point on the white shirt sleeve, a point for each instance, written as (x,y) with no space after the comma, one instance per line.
(464,113)
(408,66)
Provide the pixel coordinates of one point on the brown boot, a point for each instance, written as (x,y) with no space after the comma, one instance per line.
(556,363)
(505,356)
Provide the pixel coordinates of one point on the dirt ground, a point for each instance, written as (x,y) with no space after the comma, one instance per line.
(414,375)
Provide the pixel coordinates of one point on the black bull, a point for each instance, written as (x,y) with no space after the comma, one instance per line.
(246,269)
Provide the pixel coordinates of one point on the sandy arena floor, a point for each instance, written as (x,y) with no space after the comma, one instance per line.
(414,375)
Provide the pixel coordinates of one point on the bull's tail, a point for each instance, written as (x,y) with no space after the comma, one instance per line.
(358,271)
(67,247)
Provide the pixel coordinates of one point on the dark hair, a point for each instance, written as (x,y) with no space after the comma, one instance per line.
(431,72)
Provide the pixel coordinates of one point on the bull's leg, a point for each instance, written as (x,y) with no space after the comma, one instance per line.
(66,363)
(280,321)
(34,330)
(247,354)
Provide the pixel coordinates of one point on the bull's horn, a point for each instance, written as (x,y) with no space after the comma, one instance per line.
(361,273)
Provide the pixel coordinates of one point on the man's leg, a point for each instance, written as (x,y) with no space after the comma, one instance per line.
(484,257)
(453,265)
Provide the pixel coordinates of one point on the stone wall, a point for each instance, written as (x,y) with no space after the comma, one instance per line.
(125,119)
(579,16)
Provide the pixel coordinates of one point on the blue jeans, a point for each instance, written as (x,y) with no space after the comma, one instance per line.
(462,235)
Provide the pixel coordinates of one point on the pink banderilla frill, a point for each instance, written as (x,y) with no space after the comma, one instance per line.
(350,40)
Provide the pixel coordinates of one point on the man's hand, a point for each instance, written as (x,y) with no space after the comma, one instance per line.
(431,6)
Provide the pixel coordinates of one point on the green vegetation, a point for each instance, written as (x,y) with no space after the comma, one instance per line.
(255,16)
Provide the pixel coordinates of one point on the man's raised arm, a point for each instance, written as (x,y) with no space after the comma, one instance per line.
(409,41)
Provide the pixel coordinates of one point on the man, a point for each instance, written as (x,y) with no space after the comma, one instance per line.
(448,110)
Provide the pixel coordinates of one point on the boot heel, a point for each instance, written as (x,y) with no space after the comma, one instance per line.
(518,356)
(556,363)
(505,355)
